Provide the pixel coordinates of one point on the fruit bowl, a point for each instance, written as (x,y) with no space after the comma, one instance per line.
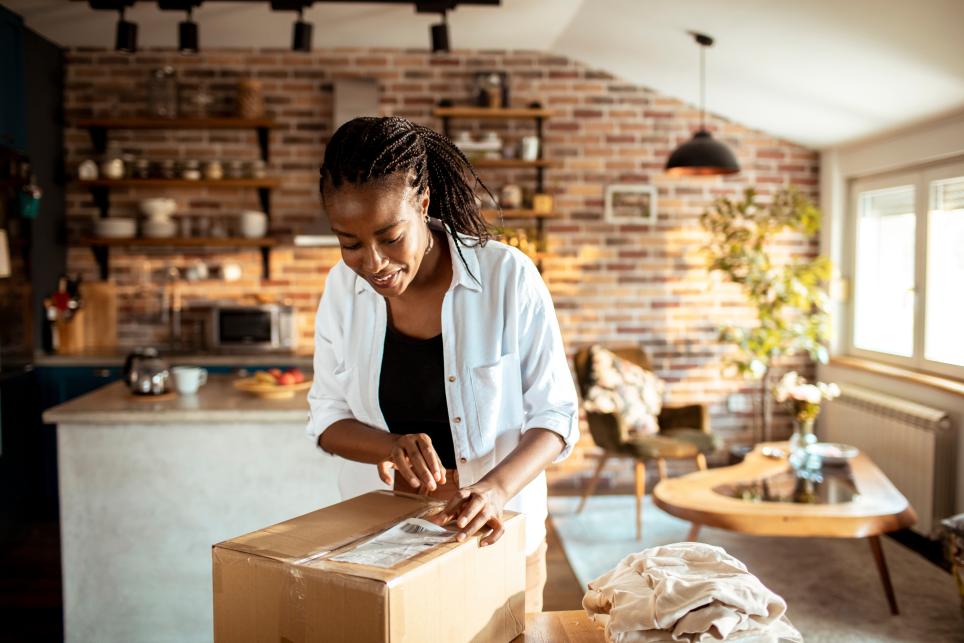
(270,391)
(274,384)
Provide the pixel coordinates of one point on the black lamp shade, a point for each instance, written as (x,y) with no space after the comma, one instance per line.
(301,36)
(126,39)
(702,155)
(187,37)
(440,37)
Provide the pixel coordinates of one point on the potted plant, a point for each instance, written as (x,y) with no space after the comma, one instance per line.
(790,300)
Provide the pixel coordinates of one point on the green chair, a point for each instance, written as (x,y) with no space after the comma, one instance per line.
(684,433)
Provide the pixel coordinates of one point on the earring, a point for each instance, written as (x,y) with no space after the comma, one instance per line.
(426,218)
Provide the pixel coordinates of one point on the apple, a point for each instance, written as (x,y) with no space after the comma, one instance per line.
(298,375)
(287,379)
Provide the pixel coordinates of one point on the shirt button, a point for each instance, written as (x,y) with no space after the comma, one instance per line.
(457,420)
(463,460)
(451,378)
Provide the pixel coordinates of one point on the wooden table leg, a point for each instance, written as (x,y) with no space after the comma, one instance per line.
(640,494)
(884,574)
(694,532)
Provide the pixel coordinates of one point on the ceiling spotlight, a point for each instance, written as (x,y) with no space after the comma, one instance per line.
(126,39)
(702,155)
(187,35)
(440,36)
(301,34)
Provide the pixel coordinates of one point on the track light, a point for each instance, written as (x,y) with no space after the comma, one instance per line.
(126,39)
(301,34)
(440,36)
(187,35)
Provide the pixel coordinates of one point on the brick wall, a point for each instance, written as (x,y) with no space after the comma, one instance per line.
(615,284)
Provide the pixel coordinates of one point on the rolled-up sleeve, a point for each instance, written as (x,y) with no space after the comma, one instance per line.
(549,394)
(326,398)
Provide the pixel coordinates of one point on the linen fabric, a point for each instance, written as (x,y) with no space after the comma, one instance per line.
(626,389)
(506,369)
(686,592)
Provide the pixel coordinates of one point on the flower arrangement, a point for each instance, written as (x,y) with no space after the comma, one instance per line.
(803,399)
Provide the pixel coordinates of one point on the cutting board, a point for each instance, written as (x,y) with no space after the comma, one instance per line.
(100,314)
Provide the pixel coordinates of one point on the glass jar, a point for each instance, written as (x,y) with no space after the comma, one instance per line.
(162,93)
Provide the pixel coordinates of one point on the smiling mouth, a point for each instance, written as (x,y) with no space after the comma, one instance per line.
(386,281)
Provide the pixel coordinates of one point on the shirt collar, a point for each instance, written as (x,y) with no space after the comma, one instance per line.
(462,271)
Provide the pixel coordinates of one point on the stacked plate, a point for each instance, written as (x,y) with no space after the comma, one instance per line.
(115,228)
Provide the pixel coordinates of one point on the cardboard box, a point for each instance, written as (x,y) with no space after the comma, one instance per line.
(279,584)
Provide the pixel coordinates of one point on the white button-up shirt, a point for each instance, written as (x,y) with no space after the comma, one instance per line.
(505,368)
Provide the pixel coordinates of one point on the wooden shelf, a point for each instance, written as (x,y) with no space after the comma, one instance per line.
(491,112)
(512,163)
(191,242)
(181,183)
(519,214)
(144,122)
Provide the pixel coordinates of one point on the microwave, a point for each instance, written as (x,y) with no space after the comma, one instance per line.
(268,327)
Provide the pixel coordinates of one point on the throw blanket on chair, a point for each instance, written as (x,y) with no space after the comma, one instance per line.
(686,592)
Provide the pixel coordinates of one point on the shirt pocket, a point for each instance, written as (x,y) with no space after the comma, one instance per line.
(497,389)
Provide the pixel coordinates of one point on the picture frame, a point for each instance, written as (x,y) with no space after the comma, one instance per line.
(630,203)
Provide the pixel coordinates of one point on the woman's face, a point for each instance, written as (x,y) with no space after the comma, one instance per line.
(381,230)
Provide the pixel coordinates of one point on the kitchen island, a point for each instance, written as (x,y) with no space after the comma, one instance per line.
(147,486)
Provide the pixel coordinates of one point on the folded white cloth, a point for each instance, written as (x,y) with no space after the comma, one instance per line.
(686,592)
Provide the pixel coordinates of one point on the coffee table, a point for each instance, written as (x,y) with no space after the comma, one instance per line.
(763,496)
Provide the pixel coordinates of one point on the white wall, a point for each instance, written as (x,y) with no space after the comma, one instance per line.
(932,141)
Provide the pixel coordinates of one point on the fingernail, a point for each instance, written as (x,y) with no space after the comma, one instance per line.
(414,481)
(460,537)
(462,523)
(438,476)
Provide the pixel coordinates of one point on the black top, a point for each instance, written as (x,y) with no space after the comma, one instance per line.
(411,391)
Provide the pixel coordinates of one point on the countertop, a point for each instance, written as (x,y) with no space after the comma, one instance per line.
(116,357)
(216,402)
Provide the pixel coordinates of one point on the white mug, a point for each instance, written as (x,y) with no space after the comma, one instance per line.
(188,379)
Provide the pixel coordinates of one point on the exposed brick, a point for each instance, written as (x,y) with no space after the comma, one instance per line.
(612,283)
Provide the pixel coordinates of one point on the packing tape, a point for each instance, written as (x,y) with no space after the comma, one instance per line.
(293,623)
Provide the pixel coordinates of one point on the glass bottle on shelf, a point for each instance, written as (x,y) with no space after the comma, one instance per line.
(162,93)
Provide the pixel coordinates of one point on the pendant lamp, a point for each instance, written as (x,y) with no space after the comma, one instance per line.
(702,155)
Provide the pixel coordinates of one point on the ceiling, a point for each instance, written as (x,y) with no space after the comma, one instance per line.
(815,72)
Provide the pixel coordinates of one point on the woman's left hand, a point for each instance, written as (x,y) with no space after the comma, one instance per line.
(473,508)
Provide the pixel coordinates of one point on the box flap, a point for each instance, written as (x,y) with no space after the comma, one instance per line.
(321,531)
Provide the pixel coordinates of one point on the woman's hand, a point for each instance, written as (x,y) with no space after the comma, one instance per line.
(415,458)
(473,508)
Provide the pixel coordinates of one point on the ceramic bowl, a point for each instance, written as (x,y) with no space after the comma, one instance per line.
(159,208)
(115,228)
(155,229)
(253,224)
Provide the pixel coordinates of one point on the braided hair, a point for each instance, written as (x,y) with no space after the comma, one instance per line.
(370,148)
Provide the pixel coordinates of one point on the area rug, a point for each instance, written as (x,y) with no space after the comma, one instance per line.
(831,585)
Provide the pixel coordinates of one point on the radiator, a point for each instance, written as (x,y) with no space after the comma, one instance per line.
(911,443)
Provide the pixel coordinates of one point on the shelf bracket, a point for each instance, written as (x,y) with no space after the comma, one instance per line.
(98,137)
(263,142)
(265,262)
(101,194)
(264,196)
(102,257)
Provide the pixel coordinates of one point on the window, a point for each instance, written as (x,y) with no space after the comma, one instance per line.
(908,269)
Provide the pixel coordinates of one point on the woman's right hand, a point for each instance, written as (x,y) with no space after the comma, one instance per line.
(414,457)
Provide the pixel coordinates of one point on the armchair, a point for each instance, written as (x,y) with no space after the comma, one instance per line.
(684,432)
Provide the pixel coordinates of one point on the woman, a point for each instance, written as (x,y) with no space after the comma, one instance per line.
(437,351)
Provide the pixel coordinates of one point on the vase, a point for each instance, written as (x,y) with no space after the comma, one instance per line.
(803,436)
